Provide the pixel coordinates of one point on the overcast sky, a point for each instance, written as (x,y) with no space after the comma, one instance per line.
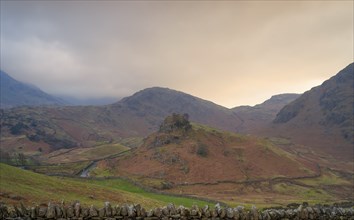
(229,52)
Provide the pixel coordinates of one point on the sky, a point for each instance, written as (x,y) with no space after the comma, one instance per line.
(229,52)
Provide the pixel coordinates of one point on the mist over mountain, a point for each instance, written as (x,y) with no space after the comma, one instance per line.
(73,101)
(133,117)
(256,118)
(321,118)
(15,93)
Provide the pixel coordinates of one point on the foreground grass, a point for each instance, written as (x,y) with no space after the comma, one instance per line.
(128,187)
(38,188)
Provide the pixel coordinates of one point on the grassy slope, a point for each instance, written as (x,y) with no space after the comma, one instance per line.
(37,188)
(61,168)
(84,154)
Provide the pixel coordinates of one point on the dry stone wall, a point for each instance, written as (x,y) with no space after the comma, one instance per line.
(75,211)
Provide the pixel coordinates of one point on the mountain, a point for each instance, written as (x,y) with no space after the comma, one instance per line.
(182,152)
(256,118)
(159,102)
(131,119)
(15,93)
(322,117)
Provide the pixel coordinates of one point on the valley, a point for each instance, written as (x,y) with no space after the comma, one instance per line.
(160,143)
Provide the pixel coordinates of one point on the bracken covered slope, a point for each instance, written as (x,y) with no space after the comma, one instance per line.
(182,153)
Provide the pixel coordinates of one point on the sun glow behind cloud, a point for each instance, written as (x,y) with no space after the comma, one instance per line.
(231,53)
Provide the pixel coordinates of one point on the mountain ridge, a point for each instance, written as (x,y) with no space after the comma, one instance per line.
(325,111)
(15,93)
(256,118)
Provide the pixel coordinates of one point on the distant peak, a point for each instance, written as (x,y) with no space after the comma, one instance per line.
(157,90)
(284,95)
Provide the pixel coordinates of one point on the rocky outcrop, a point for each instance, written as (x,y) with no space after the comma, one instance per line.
(175,122)
(76,211)
(172,129)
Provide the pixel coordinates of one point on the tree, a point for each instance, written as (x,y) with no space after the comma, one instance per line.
(21,159)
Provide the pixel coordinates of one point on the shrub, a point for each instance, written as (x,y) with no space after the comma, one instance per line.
(17,129)
(202,150)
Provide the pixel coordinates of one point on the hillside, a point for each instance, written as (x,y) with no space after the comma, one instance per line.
(322,118)
(15,93)
(194,159)
(17,185)
(180,152)
(255,118)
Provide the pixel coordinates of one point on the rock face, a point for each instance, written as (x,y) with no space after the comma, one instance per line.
(171,212)
(176,122)
(172,129)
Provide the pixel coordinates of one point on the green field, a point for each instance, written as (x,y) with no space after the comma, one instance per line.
(84,154)
(61,168)
(33,188)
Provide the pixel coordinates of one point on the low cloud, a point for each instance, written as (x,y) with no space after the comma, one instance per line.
(232,53)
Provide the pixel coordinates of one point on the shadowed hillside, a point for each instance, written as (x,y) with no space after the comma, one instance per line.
(322,118)
(256,118)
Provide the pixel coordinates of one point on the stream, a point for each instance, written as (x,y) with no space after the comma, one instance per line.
(86,171)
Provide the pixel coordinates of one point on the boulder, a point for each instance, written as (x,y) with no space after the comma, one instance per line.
(117,210)
(101,212)
(77,208)
(42,211)
(70,212)
(131,211)
(93,211)
(108,209)
(157,212)
(229,213)
(171,209)
(51,212)
(124,210)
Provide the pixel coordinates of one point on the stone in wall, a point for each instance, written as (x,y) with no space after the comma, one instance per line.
(170,212)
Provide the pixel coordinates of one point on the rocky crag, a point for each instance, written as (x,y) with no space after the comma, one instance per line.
(76,211)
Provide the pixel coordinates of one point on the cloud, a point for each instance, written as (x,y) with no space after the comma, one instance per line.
(231,53)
